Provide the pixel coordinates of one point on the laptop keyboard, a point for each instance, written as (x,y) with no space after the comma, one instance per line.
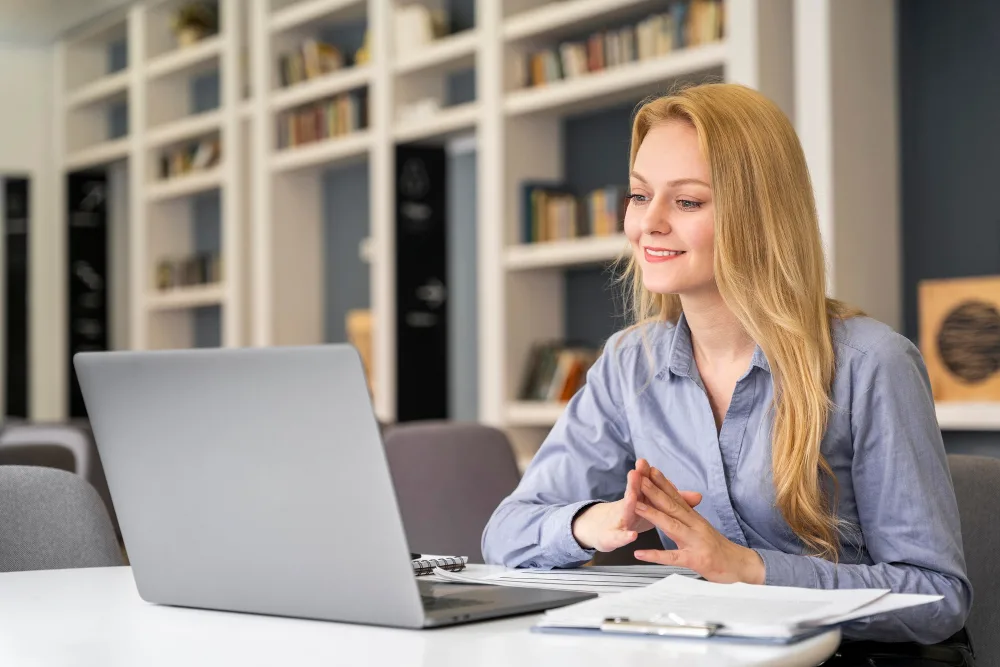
(433,603)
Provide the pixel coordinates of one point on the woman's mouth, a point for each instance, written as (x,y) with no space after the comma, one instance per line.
(655,255)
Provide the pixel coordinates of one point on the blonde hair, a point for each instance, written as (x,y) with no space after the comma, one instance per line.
(770,271)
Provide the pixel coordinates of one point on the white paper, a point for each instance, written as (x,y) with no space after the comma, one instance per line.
(741,609)
(600,580)
(891,602)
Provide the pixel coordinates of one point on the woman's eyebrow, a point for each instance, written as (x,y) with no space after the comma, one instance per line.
(673,184)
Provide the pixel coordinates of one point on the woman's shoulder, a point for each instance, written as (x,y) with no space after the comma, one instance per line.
(865,345)
(640,350)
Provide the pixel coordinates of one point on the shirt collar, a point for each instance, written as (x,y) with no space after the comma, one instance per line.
(680,356)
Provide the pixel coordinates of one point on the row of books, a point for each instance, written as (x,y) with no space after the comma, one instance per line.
(687,23)
(556,371)
(553,212)
(311,60)
(198,269)
(337,116)
(192,156)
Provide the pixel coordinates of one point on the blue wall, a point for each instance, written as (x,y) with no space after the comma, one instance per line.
(463,329)
(950,142)
(206,218)
(346,276)
(595,155)
(117,113)
(345,224)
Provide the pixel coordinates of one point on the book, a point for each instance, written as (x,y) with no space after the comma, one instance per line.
(555,371)
(426,564)
(686,23)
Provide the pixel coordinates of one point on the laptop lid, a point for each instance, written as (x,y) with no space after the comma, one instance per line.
(252,480)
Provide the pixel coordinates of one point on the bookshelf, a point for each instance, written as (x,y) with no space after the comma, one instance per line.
(156,87)
(270,190)
(561,254)
(524,288)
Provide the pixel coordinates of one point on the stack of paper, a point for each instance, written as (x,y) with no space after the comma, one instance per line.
(733,610)
(599,579)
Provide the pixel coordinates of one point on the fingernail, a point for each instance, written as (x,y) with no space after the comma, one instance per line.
(641,507)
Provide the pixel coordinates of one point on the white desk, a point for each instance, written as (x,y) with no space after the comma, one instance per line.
(95,618)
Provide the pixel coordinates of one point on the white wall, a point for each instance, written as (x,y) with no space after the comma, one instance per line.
(26,125)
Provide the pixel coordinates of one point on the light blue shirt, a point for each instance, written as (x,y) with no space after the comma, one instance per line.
(882,441)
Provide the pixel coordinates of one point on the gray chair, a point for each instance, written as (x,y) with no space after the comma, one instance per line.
(73,438)
(449,477)
(977,488)
(52,519)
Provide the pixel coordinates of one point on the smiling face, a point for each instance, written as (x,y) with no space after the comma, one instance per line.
(670,219)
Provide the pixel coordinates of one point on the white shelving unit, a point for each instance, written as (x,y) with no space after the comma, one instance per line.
(272,290)
(522,288)
(969,416)
(157,89)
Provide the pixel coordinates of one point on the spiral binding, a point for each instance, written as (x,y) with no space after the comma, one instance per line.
(451,563)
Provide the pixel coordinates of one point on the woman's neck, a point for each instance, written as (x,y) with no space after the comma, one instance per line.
(716,335)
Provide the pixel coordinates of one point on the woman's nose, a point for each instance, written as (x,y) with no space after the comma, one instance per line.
(656,220)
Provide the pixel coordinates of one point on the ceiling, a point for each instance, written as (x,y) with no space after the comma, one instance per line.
(43,21)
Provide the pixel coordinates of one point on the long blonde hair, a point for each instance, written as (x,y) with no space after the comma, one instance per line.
(770,271)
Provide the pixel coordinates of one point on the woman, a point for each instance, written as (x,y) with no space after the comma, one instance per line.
(803,433)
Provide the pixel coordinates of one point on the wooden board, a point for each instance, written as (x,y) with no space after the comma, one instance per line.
(960,337)
(359,334)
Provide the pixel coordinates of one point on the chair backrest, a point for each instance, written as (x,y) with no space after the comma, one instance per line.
(69,436)
(977,488)
(39,454)
(52,519)
(449,477)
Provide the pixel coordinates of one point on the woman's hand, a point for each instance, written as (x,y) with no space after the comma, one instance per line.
(700,546)
(607,526)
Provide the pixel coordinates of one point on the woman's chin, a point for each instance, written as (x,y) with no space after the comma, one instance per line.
(662,286)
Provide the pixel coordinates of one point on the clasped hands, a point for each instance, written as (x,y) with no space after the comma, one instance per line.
(651,500)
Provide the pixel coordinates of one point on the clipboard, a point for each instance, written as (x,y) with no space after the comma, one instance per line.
(645,629)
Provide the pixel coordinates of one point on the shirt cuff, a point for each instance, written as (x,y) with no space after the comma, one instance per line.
(564,550)
(781,569)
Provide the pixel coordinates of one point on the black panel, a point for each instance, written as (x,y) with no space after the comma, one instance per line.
(421,284)
(16,225)
(87,248)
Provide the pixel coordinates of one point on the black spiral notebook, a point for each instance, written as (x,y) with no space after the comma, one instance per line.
(424,564)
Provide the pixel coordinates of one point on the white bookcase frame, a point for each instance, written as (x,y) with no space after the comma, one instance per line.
(272,293)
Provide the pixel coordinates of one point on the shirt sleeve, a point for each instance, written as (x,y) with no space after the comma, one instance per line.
(584,459)
(906,506)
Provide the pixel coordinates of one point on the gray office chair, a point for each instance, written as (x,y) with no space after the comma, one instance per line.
(52,519)
(449,477)
(71,437)
(977,488)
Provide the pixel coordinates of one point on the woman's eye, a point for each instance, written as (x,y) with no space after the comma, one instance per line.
(688,205)
(636,198)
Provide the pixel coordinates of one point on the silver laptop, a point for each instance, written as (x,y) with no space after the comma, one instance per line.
(255,480)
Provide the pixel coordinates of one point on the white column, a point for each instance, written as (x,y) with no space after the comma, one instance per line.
(138,243)
(382,190)
(491,240)
(261,265)
(233,222)
(847,119)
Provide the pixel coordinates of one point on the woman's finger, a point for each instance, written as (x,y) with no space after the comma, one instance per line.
(631,493)
(661,482)
(663,556)
(674,506)
(670,525)
(692,498)
(618,538)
